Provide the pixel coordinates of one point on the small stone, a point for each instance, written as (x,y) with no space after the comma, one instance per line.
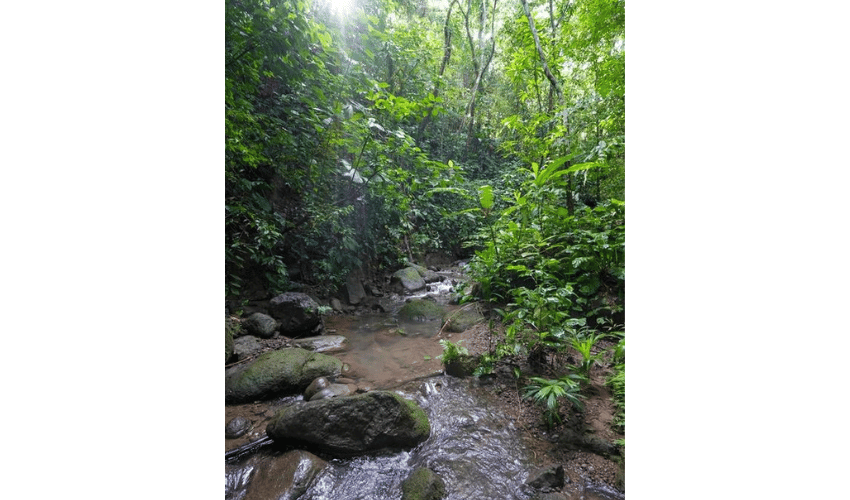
(237,427)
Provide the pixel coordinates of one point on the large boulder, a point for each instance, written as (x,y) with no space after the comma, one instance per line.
(354,289)
(353,425)
(458,321)
(275,373)
(421,310)
(428,275)
(409,279)
(298,314)
(423,484)
(286,477)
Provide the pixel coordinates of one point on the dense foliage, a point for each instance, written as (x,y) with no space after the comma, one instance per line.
(488,129)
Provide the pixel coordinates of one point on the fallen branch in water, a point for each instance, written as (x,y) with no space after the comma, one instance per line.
(246,449)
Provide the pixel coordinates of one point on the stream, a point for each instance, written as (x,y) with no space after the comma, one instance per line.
(475,448)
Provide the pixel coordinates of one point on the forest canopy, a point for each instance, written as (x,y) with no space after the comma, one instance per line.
(362,133)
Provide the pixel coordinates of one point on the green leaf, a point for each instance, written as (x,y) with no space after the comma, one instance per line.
(485,197)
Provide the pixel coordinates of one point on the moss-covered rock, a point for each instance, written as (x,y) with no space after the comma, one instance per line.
(275,373)
(421,310)
(423,484)
(409,278)
(352,425)
(460,320)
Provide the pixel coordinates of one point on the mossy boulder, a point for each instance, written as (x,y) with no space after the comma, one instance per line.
(462,319)
(421,310)
(276,373)
(409,278)
(423,484)
(428,275)
(352,425)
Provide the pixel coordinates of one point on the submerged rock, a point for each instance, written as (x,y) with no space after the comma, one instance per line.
(423,484)
(298,314)
(285,371)
(332,391)
(353,425)
(286,477)
(321,343)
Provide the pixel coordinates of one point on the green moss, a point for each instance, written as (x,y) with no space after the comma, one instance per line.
(281,371)
(420,310)
(421,424)
(423,484)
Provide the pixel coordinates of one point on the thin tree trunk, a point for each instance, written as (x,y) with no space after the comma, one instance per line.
(555,85)
(447,54)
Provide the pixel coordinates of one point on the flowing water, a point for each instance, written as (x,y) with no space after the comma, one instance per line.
(473,447)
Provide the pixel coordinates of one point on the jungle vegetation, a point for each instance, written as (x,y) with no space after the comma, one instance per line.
(359,134)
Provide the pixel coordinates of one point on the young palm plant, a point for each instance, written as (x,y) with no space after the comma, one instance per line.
(550,392)
(584,345)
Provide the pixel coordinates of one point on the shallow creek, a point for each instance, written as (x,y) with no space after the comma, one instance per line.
(473,447)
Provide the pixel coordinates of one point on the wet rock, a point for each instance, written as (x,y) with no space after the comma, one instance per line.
(601,491)
(460,320)
(409,279)
(331,391)
(552,496)
(421,310)
(321,343)
(275,373)
(572,440)
(547,479)
(354,290)
(261,325)
(316,386)
(247,346)
(286,477)
(298,314)
(353,425)
(428,275)
(423,484)
(237,427)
